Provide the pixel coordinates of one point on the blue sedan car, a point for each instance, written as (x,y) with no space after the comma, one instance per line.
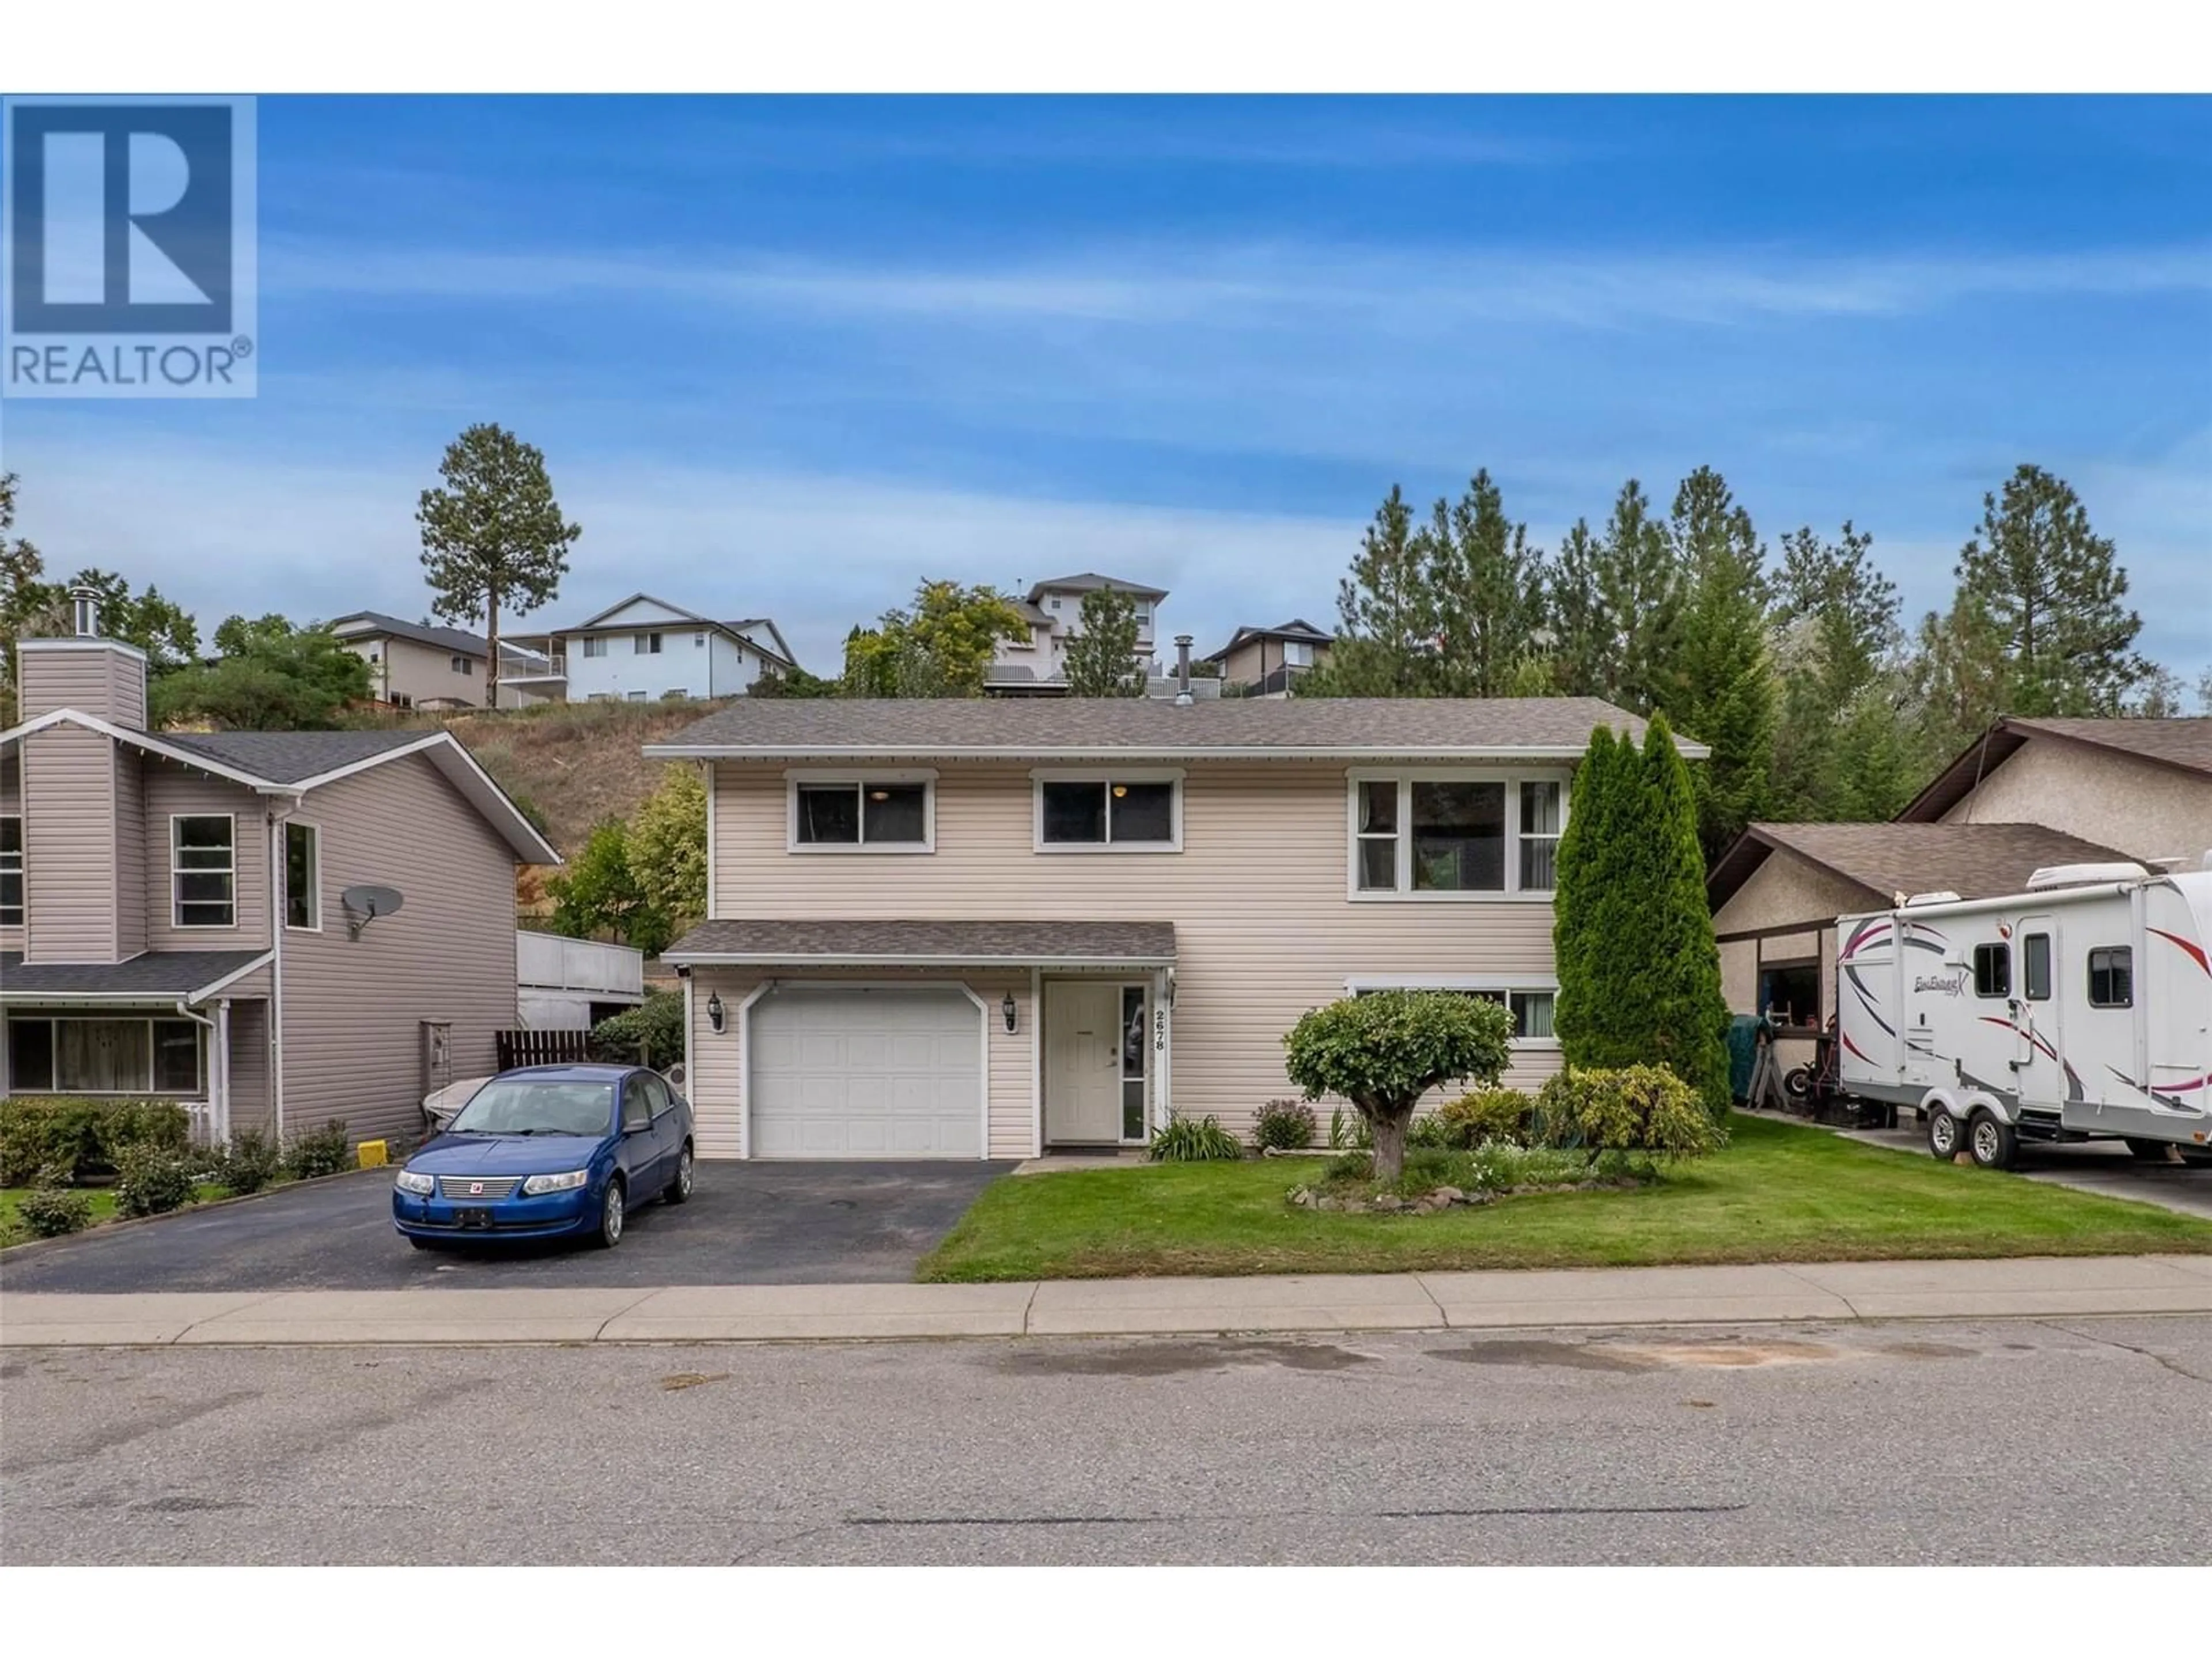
(548,1151)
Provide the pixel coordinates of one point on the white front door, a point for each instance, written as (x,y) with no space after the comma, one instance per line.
(1082,1061)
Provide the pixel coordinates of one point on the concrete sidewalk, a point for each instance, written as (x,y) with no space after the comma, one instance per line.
(2016,1288)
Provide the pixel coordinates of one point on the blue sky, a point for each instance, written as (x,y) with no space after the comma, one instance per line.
(788,356)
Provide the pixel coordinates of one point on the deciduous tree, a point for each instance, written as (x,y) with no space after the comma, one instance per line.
(667,849)
(1384,1050)
(1102,656)
(270,678)
(942,647)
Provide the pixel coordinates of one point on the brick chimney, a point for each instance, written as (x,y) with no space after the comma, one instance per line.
(82,670)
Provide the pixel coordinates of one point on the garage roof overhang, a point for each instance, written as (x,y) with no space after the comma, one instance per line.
(917,943)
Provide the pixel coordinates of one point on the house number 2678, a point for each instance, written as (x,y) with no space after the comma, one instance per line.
(1159,1030)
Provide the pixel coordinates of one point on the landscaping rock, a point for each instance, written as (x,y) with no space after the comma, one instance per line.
(1336,1204)
(1450,1196)
(1390,1203)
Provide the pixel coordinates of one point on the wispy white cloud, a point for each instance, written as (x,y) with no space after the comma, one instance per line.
(1411,289)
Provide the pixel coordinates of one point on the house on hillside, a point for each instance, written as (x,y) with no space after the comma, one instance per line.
(645,648)
(1777,890)
(1037,665)
(954,928)
(1263,662)
(2143,785)
(415,666)
(208,917)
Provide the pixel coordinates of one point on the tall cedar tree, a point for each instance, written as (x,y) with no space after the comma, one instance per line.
(1102,657)
(1486,585)
(2052,592)
(1720,684)
(1578,882)
(492,535)
(1676,984)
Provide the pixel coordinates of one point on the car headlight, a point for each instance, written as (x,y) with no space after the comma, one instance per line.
(567,1182)
(408,1181)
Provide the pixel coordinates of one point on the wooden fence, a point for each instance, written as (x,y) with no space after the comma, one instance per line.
(541,1048)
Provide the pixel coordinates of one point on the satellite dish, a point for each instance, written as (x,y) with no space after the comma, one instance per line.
(365,904)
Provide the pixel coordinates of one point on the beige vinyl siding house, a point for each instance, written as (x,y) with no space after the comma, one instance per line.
(1167,968)
(161,949)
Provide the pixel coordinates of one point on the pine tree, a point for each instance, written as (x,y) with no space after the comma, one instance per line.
(1720,681)
(1487,588)
(1639,587)
(1840,649)
(1387,630)
(1582,641)
(2052,594)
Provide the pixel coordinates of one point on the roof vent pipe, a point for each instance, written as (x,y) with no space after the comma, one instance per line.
(1182,671)
(84,602)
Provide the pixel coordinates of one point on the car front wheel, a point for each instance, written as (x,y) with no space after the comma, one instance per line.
(611,1218)
(679,1184)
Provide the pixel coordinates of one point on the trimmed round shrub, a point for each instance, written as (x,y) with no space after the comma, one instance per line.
(653,1029)
(319,1151)
(152,1180)
(1286,1126)
(1483,1114)
(51,1211)
(1641,1109)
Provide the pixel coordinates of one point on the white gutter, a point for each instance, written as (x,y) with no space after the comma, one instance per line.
(903,959)
(1126,752)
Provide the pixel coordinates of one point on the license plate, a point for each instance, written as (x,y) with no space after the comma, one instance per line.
(476,1218)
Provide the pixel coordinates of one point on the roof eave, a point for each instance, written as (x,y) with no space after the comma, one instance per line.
(1411,754)
(906,959)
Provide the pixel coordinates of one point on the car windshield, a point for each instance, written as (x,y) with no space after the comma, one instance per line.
(520,1106)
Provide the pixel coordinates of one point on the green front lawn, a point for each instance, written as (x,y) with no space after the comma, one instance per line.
(1779,1193)
(13,1231)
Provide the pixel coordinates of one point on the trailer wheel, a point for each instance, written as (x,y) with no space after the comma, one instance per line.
(2150,1151)
(1942,1134)
(1989,1143)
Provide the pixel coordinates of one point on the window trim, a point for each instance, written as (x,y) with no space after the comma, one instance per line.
(1506,986)
(1818,1024)
(176,873)
(1404,892)
(2089,973)
(314,877)
(19,870)
(2004,954)
(2050,966)
(1106,778)
(860,779)
(646,642)
(595,645)
(197,1091)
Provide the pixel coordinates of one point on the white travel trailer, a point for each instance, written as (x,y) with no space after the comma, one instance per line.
(2079,1009)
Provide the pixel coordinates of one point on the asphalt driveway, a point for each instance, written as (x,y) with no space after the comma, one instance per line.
(747,1223)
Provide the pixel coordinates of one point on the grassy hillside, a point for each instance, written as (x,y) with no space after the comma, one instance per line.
(573,763)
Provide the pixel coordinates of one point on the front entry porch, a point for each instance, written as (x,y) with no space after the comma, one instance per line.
(1103,1064)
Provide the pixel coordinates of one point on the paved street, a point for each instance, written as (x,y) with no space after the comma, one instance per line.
(2061,1440)
(747,1223)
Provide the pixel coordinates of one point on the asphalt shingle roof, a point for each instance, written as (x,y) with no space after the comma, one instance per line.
(158,974)
(446,639)
(936,943)
(289,756)
(1020,727)
(2185,742)
(1974,861)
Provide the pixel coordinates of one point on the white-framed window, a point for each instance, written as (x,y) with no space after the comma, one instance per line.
(1433,833)
(595,645)
(1297,653)
(676,692)
(11,872)
(303,876)
(698,641)
(1530,1000)
(464,664)
(64,1055)
(1117,812)
(645,645)
(634,696)
(204,869)
(877,811)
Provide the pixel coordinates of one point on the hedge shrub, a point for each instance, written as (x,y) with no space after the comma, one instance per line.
(81,1135)
(250,1162)
(51,1211)
(1286,1126)
(655,1028)
(152,1180)
(1481,1114)
(319,1151)
(1643,1108)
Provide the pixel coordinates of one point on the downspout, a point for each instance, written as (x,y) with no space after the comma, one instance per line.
(218,1086)
(277,971)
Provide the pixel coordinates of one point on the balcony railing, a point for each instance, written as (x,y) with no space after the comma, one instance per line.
(547,962)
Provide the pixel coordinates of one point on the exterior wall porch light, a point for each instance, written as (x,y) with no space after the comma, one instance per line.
(1008,1009)
(714,1013)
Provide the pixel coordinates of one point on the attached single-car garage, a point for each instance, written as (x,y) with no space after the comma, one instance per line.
(854,1071)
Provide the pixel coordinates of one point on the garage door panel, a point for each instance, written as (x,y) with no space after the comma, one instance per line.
(838,1072)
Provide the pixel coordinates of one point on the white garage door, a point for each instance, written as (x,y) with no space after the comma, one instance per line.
(840,1071)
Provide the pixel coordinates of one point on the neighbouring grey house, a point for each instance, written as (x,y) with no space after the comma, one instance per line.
(417,666)
(184,914)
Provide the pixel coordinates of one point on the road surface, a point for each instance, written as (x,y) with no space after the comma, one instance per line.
(2066,1440)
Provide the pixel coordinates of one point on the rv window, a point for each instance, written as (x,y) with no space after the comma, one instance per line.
(2035,967)
(2113,977)
(1992,970)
